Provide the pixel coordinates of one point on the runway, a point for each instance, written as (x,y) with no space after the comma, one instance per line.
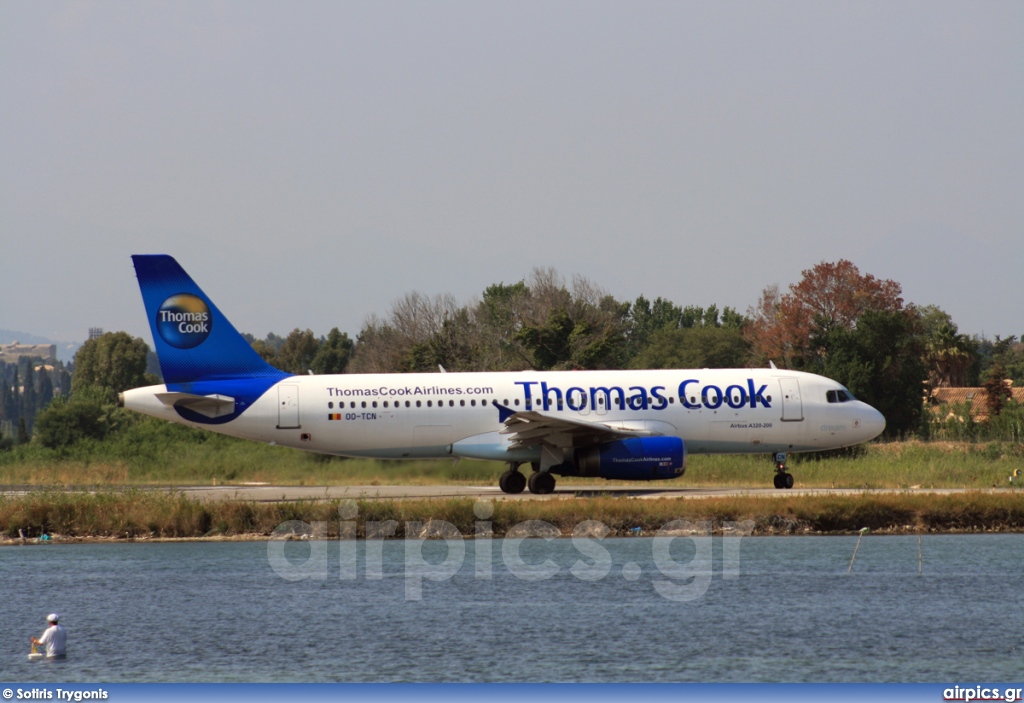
(279,493)
(270,494)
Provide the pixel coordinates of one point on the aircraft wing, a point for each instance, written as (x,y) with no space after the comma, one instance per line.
(557,436)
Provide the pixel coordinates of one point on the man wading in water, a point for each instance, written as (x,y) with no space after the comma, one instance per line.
(55,639)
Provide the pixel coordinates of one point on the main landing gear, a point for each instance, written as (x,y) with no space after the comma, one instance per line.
(512,481)
(783,479)
(540,482)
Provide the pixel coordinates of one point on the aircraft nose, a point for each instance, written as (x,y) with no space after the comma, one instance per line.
(872,422)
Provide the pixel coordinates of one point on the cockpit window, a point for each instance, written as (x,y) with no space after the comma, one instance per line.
(840,396)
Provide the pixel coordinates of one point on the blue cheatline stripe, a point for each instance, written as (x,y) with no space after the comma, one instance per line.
(492,693)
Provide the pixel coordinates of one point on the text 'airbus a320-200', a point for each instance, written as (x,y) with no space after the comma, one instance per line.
(622,425)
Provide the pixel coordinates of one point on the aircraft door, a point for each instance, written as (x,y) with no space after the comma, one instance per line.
(792,406)
(287,406)
(576,399)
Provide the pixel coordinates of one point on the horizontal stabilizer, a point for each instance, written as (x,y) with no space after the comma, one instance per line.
(208,405)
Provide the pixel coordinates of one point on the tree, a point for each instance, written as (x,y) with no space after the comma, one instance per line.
(16,409)
(948,356)
(881,361)
(997,392)
(646,318)
(333,353)
(583,328)
(114,361)
(1009,354)
(8,401)
(828,296)
(45,394)
(694,348)
(86,415)
(297,352)
(497,320)
(387,346)
(28,394)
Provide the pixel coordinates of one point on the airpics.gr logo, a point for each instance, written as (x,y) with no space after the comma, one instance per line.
(184,321)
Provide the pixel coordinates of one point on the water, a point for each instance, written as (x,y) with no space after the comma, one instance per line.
(219,612)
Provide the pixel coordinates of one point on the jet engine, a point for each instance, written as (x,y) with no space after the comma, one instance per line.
(633,459)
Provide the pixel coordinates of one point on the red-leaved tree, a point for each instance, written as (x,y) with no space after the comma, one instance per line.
(828,296)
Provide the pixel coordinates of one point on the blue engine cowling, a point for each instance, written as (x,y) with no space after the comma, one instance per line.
(634,459)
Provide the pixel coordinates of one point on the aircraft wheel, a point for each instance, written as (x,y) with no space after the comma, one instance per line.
(512,482)
(787,480)
(542,483)
(778,480)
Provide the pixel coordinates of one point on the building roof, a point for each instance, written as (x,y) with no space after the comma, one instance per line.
(977,397)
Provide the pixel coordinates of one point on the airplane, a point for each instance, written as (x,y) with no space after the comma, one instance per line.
(620,425)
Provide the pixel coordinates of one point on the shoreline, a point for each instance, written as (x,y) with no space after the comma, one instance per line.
(255,537)
(116,517)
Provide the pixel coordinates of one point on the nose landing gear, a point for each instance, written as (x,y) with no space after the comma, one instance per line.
(783,479)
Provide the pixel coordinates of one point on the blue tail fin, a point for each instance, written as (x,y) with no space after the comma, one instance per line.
(194,341)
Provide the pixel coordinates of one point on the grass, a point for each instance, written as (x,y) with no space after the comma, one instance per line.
(146,514)
(165,454)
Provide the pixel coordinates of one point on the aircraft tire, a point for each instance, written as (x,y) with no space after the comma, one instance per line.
(512,482)
(778,480)
(787,480)
(542,483)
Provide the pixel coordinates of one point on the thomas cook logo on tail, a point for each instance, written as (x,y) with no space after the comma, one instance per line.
(184,321)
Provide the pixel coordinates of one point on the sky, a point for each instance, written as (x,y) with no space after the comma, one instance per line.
(308,163)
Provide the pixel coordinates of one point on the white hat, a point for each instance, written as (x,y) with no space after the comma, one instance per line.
(52,617)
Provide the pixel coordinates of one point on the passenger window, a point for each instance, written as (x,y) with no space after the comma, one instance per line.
(330,405)
(419,403)
(364,403)
(375,403)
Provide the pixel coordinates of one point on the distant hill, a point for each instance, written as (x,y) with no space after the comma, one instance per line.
(65,350)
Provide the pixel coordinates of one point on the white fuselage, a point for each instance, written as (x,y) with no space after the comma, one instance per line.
(735,411)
